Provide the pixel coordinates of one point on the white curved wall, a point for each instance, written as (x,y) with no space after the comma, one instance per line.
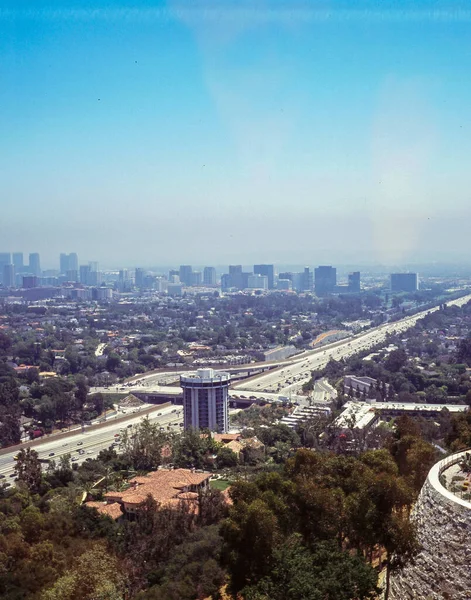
(442,570)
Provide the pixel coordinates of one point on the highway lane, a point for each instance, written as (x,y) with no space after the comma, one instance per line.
(92,441)
(290,379)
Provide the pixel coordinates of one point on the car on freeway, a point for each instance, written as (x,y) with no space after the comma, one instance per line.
(51,453)
(12,474)
(74,458)
(2,476)
(79,443)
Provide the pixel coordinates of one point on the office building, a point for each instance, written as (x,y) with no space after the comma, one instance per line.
(35,264)
(84,274)
(226,282)
(308,280)
(206,400)
(185,274)
(235,272)
(196,278)
(284,285)
(18,262)
(268,271)
(325,280)
(72,276)
(404,282)
(68,263)
(175,289)
(209,276)
(8,276)
(286,275)
(95,276)
(257,282)
(30,282)
(139,276)
(354,282)
(5,259)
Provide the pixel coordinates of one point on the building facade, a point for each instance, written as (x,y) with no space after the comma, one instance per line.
(206,400)
(404,282)
(325,278)
(209,276)
(268,271)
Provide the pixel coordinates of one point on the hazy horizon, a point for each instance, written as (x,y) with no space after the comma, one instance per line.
(177,133)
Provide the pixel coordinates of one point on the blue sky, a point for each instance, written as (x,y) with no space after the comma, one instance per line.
(214,132)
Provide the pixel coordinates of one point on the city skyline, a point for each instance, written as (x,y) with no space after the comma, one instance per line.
(300,130)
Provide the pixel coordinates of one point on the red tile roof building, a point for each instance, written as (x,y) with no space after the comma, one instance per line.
(169,488)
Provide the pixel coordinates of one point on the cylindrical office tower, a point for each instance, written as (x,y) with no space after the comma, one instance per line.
(206,400)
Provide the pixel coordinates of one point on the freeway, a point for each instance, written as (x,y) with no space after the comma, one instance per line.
(92,440)
(290,379)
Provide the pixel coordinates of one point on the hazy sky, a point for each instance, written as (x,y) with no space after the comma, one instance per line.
(213,132)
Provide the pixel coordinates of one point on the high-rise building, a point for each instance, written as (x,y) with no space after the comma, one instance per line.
(308,279)
(257,282)
(35,264)
(235,272)
(73,262)
(226,282)
(354,282)
(68,263)
(84,274)
(18,262)
(268,271)
(139,276)
(185,274)
(404,282)
(5,259)
(206,400)
(325,280)
(209,276)
(8,276)
(196,278)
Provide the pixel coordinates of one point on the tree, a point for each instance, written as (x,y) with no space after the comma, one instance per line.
(142,446)
(95,576)
(226,458)
(396,360)
(250,534)
(28,469)
(324,573)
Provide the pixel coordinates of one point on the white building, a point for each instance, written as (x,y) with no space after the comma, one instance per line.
(206,400)
(257,282)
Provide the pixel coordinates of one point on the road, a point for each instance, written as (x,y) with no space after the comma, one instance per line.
(91,441)
(289,379)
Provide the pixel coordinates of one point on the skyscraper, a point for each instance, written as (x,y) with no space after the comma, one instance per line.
(209,276)
(185,274)
(139,278)
(325,280)
(308,279)
(235,273)
(206,400)
(8,276)
(18,262)
(268,271)
(84,274)
(354,282)
(35,264)
(68,264)
(5,259)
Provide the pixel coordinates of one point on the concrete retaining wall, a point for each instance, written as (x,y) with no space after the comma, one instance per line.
(442,570)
